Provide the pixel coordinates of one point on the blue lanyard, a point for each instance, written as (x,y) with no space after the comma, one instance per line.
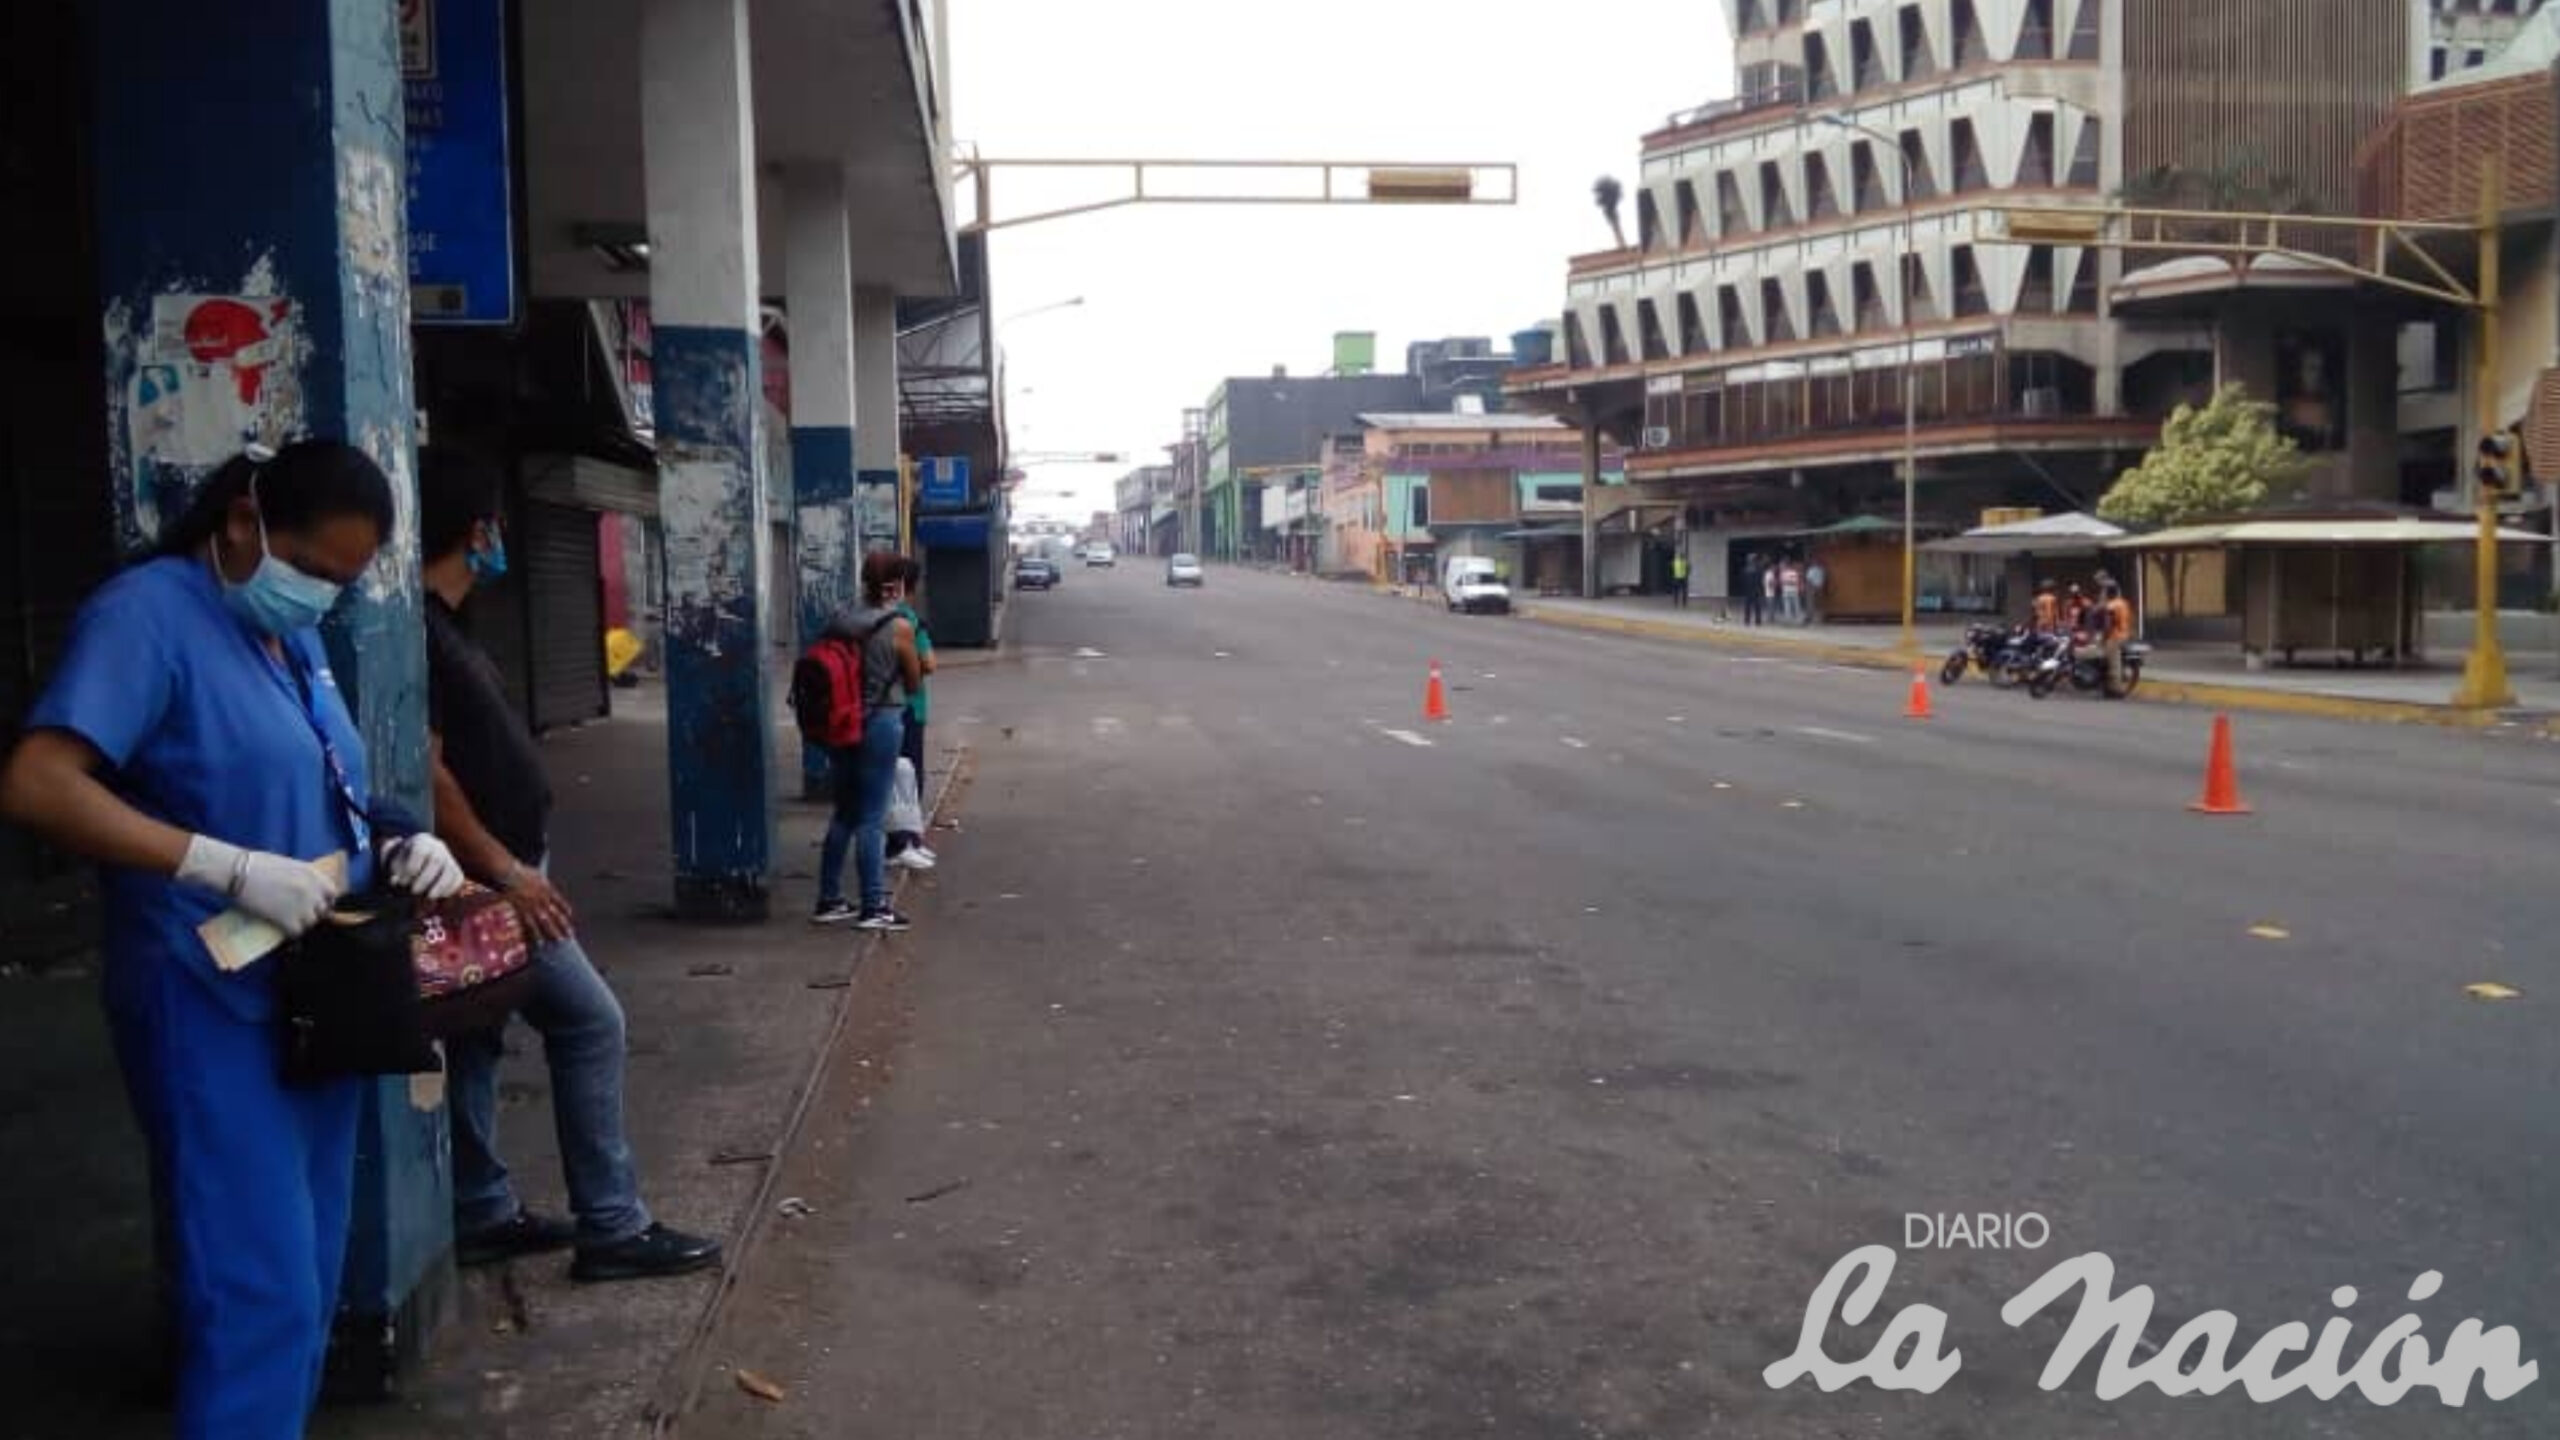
(306,700)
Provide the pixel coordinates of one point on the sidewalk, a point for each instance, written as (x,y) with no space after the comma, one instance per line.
(2193,675)
(726,1029)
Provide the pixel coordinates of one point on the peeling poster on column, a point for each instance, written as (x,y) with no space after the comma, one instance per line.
(214,373)
(462,252)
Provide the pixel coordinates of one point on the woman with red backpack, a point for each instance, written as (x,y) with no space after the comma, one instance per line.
(864,757)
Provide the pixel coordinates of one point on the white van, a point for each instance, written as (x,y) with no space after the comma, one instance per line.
(1469,583)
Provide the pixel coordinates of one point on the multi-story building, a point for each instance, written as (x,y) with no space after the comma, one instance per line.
(2461,35)
(1815,248)
(1408,488)
(1137,498)
(1256,429)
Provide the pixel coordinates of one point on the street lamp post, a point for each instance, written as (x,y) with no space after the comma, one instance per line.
(1910,382)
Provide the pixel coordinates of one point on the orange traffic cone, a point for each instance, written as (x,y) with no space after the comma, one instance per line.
(2221,783)
(1435,703)
(1918,709)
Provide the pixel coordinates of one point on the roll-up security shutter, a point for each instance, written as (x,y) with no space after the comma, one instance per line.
(567,623)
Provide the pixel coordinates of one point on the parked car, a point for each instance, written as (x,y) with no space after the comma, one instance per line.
(1184,570)
(1471,584)
(1034,572)
(1099,557)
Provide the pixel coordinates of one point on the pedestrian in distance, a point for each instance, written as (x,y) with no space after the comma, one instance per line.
(861,774)
(1815,578)
(195,744)
(1791,591)
(1680,577)
(493,806)
(906,848)
(1763,591)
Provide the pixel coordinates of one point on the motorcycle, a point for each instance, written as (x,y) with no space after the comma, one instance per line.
(2084,664)
(1997,651)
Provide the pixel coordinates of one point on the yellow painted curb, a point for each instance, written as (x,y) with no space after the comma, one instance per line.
(2327,707)
(1863,656)
(2203,694)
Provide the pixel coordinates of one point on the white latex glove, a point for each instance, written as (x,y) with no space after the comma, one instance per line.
(287,893)
(424,866)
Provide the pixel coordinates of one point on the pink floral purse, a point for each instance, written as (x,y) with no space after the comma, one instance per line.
(475,966)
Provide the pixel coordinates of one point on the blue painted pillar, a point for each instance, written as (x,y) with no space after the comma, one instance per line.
(875,444)
(253,259)
(819,296)
(697,130)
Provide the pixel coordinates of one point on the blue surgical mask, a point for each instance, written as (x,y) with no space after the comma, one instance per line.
(491,563)
(277,598)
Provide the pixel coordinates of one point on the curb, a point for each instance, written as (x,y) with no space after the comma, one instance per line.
(2196,693)
(689,1373)
(1863,656)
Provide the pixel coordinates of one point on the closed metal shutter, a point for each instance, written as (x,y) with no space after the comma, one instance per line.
(566,624)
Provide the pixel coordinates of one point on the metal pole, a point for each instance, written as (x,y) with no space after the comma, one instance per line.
(2484,675)
(1910,420)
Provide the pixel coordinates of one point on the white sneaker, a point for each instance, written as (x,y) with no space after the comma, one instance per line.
(912,859)
(930,858)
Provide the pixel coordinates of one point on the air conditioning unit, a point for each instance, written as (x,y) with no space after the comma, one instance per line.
(2043,400)
(1657,437)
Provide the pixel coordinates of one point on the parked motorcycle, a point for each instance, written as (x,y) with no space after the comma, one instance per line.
(2085,666)
(1999,652)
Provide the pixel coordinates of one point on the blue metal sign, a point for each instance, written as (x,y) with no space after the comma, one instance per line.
(462,251)
(943,482)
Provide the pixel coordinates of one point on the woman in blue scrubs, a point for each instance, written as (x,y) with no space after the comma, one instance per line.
(193,742)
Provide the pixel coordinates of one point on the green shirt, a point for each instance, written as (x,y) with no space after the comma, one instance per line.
(916,703)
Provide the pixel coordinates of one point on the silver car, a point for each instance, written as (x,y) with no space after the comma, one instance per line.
(1183,570)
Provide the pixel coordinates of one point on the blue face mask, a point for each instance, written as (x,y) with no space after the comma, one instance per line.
(277,598)
(491,563)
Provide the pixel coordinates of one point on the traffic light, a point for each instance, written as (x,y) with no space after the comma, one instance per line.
(2496,470)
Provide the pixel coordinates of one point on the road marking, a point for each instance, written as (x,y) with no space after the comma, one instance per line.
(2271,932)
(1087,652)
(1576,744)
(1499,720)
(1219,655)
(2492,990)
(1677,719)
(1790,804)
(1106,726)
(1408,737)
(1724,784)
(1850,736)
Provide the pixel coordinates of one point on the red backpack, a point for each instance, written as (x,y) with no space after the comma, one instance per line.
(827,689)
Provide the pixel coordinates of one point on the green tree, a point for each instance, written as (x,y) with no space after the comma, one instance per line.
(2217,460)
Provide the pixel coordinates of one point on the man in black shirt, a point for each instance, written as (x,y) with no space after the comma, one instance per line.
(493,807)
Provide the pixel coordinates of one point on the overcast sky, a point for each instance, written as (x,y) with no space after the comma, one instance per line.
(1179,297)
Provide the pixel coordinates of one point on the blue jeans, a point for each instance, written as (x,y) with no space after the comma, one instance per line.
(863,776)
(580,1022)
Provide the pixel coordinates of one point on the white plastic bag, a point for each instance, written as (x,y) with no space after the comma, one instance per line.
(906,811)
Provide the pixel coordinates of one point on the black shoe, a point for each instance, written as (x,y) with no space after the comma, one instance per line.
(833,912)
(654,1252)
(526,1234)
(883,918)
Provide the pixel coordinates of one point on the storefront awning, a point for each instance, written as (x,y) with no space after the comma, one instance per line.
(2393,530)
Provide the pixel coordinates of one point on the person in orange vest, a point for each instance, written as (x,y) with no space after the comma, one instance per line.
(2115,627)
(2048,609)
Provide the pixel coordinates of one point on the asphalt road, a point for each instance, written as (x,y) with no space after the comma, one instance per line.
(1270,1063)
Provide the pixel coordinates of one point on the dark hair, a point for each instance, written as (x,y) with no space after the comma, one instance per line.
(910,572)
(880,570)
(303,484)
(456,490)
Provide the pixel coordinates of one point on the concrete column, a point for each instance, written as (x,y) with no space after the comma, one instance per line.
(875,438)
(1590,508)
(697,128)
(254,279)
(819,297)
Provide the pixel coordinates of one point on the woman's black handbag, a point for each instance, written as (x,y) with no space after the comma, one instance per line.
(347,990)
